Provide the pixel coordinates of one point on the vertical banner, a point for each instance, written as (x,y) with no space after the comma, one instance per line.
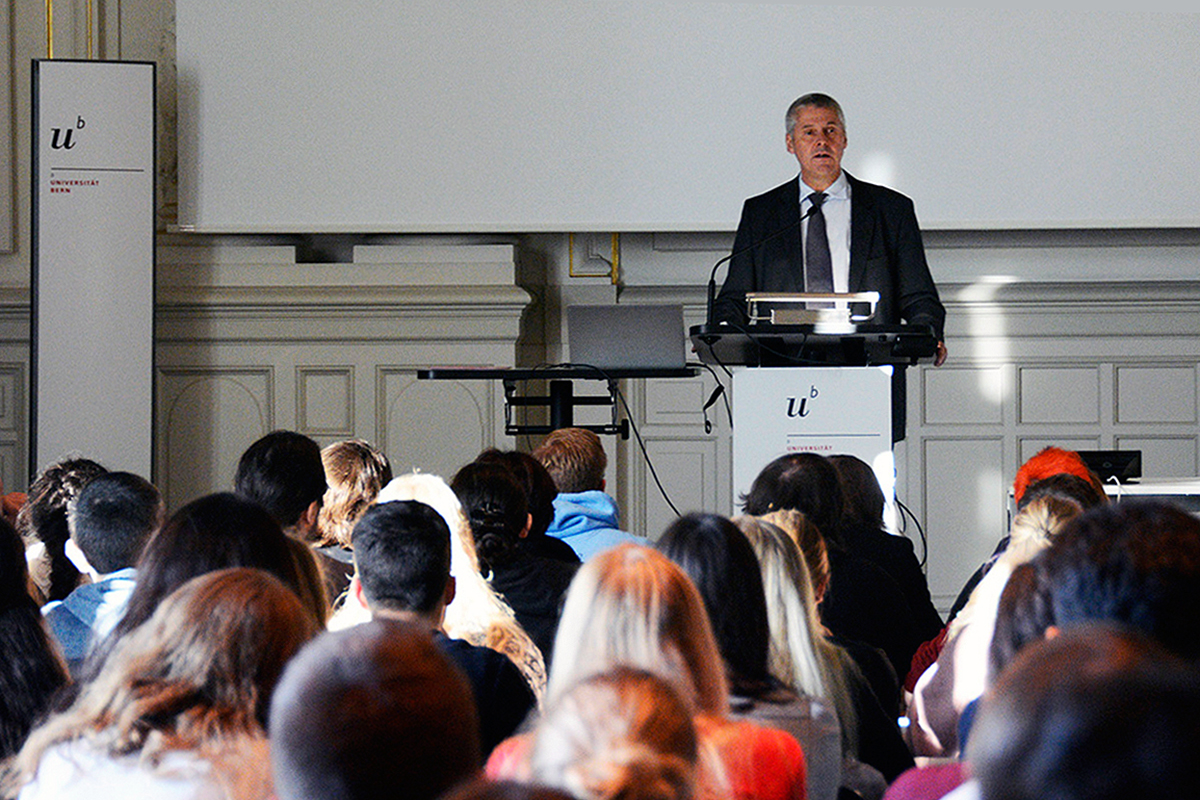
(92,387)
(823,410)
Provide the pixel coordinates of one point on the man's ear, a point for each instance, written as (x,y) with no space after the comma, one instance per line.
(451,591)
(528,526)
(308,520)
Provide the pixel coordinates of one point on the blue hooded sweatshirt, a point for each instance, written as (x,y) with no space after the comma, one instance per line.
(588,522)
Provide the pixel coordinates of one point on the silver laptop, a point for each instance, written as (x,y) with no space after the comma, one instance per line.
(626,337)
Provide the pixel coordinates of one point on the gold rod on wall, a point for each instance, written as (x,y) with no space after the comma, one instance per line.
(89,30)
(49,28)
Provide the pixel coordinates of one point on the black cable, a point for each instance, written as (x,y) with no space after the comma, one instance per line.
(633,427)
(906,511)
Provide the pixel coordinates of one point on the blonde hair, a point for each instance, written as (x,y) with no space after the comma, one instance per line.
(355,472)
(624,733)
(800,655)
(197,675)
(631,605)
(477,614)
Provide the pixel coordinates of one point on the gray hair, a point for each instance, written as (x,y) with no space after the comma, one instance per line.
(812,100)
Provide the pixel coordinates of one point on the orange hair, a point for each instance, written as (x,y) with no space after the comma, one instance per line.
(1052,461)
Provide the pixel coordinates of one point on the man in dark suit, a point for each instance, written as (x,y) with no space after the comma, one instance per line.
(871,231)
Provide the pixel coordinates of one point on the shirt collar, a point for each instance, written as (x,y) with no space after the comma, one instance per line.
(838,190)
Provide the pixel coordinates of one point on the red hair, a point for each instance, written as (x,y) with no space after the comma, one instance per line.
(1052,461)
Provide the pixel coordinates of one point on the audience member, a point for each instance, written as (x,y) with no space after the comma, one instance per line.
(864,535)
(476,614)
(355,472)
(585,517)
(373,711)
(1095,713)
(402,570)
(630,605)
(210,533)
(179,709)
(624,734)
(284,474)
(872,665)
(31,671)
(110,521)
(497,511)
(42,523)
(720,561)
(540,491)
(959,675)
(804,659)
(862,602)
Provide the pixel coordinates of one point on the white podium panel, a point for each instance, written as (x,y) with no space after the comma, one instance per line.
(824,410)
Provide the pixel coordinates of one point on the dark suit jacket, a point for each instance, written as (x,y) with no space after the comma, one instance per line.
(886,255)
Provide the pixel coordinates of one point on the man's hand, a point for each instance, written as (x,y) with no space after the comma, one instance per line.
(940,357)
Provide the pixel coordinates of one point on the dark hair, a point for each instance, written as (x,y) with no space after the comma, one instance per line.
(1133,562)
(721,562)
(539,487)
(283,473)
(487,789)
(372,711)
(1064,486)
(402,556)
(804,482)
(1094,714)
(1022,616)
(30,671)
(496,509)
(862,497)
(44,517)
(112,519)
(213,532)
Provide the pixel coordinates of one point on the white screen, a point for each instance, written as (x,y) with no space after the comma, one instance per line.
(561,115)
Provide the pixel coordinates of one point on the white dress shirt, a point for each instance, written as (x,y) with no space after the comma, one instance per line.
(837,227)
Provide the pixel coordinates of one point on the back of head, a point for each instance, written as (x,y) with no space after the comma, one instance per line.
(1093,714)
(809,541)
(196,676)
(283,473)
(1136,563)
(861,494)
(631,605)
(1052,461)
(44,518)
(220,641)
(355,472)
(620,734)
(113,517)
(804,482)
(402,556)
(372,711)
(575,459)
(534,479)
(1066,487)
(210,533)
(720,561)
(496,509)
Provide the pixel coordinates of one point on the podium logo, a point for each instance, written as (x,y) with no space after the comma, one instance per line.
(62,140)
(799,408)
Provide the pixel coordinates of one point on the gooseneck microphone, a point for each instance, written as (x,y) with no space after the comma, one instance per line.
(712,276)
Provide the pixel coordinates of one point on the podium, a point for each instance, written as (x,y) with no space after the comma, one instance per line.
(799,390)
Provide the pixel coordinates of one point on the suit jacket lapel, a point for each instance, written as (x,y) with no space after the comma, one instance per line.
(790,217)
(862,231)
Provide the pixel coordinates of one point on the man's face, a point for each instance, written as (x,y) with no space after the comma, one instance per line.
(818,141)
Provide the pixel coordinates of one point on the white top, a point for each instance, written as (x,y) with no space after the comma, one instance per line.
(77,770)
